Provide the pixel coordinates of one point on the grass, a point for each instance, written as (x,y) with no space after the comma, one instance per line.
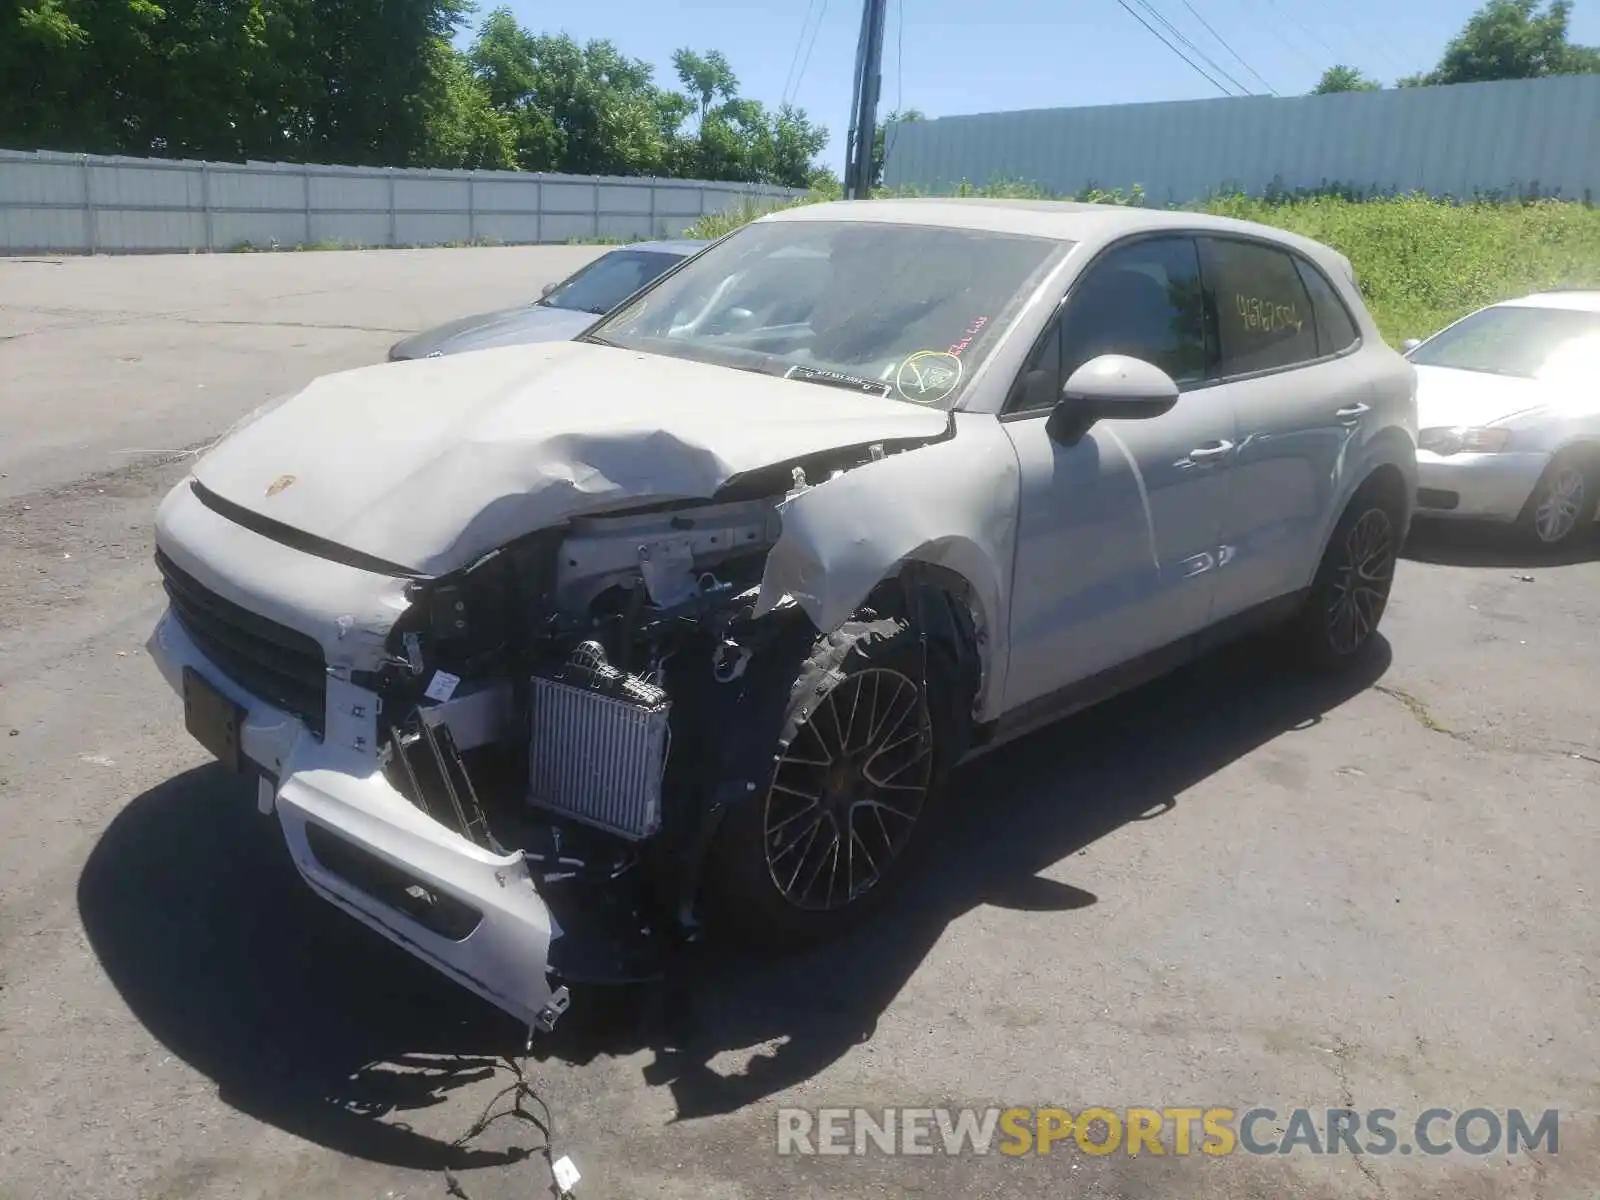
(1422,262)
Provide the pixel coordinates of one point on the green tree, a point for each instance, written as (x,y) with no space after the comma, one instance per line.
(705,78)
(373,82)
(463,128)
(339,80)
(1511,39)
(62,62)
(1340,78)
(575,108)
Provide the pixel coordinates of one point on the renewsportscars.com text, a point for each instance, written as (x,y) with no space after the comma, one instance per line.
(1177,1131)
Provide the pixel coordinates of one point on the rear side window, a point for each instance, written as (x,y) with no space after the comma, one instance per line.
(1264,316)
(1336,330)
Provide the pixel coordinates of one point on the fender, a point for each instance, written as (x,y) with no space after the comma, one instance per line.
(1391,446)
(951,505)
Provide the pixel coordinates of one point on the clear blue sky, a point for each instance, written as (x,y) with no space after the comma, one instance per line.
(960,56)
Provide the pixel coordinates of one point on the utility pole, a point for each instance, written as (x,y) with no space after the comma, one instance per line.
(864,101)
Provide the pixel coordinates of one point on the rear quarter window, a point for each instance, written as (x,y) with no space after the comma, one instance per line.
(1336,329)
(1265,319)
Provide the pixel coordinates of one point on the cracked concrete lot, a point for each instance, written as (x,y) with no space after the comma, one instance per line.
(1234,888)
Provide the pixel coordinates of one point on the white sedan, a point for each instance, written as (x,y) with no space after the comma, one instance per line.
(1509,403)
(545,650)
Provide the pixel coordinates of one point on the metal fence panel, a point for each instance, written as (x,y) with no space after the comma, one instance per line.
(1520,136)
(75,203)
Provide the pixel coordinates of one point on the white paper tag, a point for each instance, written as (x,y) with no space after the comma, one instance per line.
(566,1174)
(442,686)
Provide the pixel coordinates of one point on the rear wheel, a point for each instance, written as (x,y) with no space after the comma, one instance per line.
(1351,589)
(854,774)
(1562,501)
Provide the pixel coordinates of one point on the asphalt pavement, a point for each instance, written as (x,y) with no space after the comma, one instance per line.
(1234,888)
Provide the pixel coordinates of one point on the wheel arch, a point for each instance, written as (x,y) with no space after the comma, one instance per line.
(1586,444)
(946,607)
(1391,465)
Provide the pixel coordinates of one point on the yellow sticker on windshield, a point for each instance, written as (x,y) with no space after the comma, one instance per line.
(928,376)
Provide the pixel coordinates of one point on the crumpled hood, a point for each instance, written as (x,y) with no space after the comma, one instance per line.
(518,326)
(433,463)
(1447,397)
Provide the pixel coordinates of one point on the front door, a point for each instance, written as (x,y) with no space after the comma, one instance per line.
(1118,534)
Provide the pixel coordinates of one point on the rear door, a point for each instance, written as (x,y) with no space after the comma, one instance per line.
(1299,397)
(1117,534)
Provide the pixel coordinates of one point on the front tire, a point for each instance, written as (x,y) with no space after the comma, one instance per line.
(1562,501)
(855,772)
(1351,589)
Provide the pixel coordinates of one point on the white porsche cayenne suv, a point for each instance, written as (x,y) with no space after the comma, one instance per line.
(538,650)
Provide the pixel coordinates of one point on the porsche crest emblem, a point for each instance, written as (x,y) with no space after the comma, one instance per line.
(278,485)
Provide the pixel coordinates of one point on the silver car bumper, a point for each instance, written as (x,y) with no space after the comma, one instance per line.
(1479,486)
(473,914)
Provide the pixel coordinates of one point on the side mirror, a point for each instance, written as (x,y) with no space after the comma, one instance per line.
(546,290)
(1410,344)
(1111,387)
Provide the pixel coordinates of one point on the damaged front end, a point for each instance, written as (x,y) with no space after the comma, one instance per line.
(584,695)
(516,770)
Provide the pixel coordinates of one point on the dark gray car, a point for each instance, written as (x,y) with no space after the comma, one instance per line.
(565,309)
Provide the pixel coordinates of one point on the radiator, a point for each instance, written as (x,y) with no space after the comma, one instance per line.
(598,745)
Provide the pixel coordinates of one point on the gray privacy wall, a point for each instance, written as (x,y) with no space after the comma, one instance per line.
(87,203)
(1516,136)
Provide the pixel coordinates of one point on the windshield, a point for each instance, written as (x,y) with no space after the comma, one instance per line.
(906,311)
(609,280)
(1534,343)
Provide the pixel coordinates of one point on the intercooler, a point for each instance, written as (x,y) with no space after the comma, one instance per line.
(598,745)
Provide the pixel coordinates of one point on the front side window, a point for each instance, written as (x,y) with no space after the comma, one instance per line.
(1264,316)
(1143,300)
(1520,340)
(899,310)
(608,281)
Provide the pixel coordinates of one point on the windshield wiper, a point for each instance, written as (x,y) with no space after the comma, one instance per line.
(838,379)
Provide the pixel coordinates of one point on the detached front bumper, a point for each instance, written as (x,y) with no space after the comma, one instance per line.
(359,843)
(1491,487)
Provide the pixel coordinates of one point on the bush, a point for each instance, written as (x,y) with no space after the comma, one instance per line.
(1422,262)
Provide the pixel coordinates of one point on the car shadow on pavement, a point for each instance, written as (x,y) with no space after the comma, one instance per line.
(1488,544)
(309,1022)
(303,1018)
(1012,815)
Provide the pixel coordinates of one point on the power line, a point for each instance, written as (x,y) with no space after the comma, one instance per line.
(1333,55)
(1161,18)
(1278,33)
(1299,24)
(1269,7)
(1369,45)
(1221,41)
(799,44)
(892,131)
(1128,8)
(810,46)
(1182,37)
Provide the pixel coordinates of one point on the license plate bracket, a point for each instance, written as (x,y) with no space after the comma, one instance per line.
(212,719)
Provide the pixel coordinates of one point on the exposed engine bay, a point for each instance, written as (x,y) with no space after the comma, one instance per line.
(596,695)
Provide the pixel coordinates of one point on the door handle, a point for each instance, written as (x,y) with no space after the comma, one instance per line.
(1202,455)
(1353,413)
